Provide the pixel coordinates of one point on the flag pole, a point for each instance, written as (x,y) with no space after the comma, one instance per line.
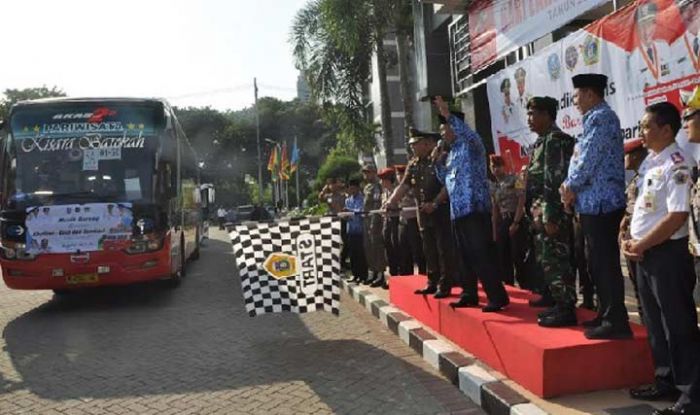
(296,170)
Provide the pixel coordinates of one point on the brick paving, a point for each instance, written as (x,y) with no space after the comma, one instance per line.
(151,350)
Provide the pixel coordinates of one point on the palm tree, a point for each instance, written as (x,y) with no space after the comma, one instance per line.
(333,42)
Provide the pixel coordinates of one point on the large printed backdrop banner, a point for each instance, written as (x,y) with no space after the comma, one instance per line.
(498,27)
(649,50)
(289,266)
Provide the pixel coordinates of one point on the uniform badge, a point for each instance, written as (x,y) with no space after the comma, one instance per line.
(677,158)
(571,57)
(554,66)
(591,51)
(680,177)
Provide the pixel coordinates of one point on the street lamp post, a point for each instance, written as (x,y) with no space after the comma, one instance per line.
(257,133)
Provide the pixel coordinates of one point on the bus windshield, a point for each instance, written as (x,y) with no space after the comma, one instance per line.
(81,153)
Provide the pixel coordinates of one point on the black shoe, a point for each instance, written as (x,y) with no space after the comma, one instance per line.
(607,331)
(494,307)
(678,409)
(441,294)
(596,322)
(379,282)
(561,317)
(544,301)
(654,393)
(355,280)
(430,289)
(385,285)
(465,302)
(547,312)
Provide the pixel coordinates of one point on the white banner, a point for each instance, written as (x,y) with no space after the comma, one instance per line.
(72,228)
(498,27)
(642,65)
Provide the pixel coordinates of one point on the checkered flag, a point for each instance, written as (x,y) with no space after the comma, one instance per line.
(289,266)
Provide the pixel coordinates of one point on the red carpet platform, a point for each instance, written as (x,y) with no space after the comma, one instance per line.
(547,362)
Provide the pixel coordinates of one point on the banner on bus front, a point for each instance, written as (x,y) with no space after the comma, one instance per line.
(79,227)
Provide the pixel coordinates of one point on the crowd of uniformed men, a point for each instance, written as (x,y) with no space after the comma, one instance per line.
(567,214)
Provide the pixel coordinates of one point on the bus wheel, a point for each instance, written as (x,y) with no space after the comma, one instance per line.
(195,253)
(61,293)
(176,279)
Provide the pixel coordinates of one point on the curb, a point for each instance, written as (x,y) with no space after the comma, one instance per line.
(460,368)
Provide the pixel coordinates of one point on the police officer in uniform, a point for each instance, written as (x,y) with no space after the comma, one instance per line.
(374,240)
(410,241)
(635,154)
(508,210)
(390,230)
(552,225)
(691,120)
(665,274)
(433,215)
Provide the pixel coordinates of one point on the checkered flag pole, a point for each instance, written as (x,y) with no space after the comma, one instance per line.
(290,265)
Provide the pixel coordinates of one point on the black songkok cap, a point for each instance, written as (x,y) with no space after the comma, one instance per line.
(457,114)
(548,104)
(590,80)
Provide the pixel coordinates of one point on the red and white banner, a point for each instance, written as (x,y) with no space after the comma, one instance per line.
(649,50)
(498,27)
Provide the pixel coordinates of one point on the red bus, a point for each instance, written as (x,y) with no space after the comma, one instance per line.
(96,192)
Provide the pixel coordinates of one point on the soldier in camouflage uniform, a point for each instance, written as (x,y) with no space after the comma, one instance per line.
(634,155)
(551,225)
(374,239)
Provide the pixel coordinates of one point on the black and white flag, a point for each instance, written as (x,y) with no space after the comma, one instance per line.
(289,266)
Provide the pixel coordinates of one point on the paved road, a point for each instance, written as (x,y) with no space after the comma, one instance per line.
(193,350)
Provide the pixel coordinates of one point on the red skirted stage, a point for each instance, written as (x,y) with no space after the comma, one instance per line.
(547,362)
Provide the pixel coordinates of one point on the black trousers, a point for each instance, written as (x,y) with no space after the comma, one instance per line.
(475,244)
(344,238)
(390,232)
(666,278)
(511,255)
(356,252)
(600,233)
(580,261)
(411,246)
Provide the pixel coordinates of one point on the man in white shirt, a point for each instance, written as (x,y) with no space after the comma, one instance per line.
(221,216)
(665,271)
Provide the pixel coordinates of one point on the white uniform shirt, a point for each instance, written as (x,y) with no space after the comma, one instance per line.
(664,186)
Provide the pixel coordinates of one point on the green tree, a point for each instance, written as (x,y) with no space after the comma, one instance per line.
(12,96)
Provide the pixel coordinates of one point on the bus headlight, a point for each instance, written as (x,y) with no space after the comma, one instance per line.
(143,245)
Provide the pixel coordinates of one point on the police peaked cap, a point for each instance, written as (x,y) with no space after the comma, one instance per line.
(632,145)
(417,135)
(548,104)
(457,114)
(590,80)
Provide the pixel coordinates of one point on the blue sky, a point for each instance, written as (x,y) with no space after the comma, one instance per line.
(194,52)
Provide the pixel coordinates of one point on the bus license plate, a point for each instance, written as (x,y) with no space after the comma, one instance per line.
(82,279)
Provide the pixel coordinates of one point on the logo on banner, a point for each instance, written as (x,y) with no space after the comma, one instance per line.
(554,66)
(571,57)
(283,266)
(591,51)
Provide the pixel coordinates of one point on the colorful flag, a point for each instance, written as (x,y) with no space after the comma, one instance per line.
(284,163)
(272,162)
(294,162)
